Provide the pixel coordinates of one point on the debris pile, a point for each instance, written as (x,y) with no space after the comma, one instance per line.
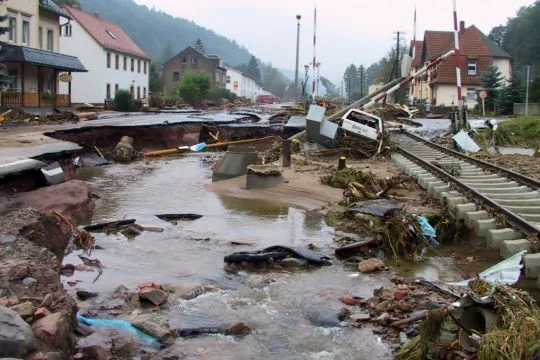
(124,151)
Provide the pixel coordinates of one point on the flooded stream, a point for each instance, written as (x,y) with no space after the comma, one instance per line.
(293,315)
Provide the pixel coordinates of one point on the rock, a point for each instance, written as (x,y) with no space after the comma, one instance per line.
(72,199)
(124,151)
(343,314)
(85,295)
(258,281)
(16,337)
(53,330)
(96,352)
(322,318)
(360,317)
(132,230)
(348,300)
(188,293)
(370,265)
(293,263)
(53,356)
(25,309)
(41,313)
(125,346)
(29,281)
(157,297)
(47,301)
(153,324)
(398,295)
(237,329)
(383,306)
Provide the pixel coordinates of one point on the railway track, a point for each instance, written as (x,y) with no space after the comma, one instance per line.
(501,205)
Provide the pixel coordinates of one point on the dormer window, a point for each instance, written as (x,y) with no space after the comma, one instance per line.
(111,34)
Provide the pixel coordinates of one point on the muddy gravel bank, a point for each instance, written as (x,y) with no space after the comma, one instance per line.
(36,314)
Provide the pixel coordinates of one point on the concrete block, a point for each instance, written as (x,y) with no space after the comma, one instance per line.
(471,217)
(462,209)
(434,184)
(531,264)
(495,237)
(438,190)
(510,247)
(481,227)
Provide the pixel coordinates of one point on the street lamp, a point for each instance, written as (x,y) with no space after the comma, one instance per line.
(298,17)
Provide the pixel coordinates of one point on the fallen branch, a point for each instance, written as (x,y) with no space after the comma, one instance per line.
(418,316)
(81,238)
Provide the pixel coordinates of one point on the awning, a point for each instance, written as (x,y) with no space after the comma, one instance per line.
(22,54)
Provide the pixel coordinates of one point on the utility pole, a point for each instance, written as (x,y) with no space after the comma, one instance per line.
(349,85)
(527,92)
(298,17)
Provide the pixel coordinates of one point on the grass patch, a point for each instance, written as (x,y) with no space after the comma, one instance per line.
(524,130)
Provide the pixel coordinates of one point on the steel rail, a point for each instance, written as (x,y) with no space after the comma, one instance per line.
(511,217)
(523,179)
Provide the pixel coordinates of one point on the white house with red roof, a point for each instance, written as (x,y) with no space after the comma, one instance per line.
(113,60)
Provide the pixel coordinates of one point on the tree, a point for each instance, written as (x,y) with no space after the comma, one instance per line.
(5,80)
(252,69)
(534,88)
(68,2)
(193,88)
(273,80)
(492,82)
(510,94)
(156,82)
(331,90)
(199,46)
(497,34)
(350,78)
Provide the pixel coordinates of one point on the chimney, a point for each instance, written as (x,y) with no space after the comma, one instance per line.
(96,14)
(461,26)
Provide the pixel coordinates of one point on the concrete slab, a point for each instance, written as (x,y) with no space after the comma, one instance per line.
(19,166)
(531,264)
(510,247)
(495,237)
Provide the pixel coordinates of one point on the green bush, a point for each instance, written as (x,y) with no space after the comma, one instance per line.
(156,101)
(123,101)
(219,95)
(524,130)
(193,88)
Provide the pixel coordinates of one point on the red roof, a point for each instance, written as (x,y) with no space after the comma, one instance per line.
(108,35)
(417,61)
(435,43)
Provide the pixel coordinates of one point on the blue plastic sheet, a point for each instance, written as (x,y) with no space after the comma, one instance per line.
(120,324)
(427,230)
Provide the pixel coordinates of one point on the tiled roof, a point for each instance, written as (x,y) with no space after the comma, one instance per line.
(108,35)
(435,43)
(23,54)
(417,61)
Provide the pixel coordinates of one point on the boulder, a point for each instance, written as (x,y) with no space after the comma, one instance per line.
(370,265)
(53,330)
(125,347)
(16,337)
(152,324)
(124,151)
(25,309)
(96,352)
(72,199)
(156,296)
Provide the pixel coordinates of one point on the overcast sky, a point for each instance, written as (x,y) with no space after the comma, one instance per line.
(348,31)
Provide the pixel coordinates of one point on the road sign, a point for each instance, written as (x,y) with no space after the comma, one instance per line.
(483,94)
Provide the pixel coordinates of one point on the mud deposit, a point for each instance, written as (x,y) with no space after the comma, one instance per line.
(292,313)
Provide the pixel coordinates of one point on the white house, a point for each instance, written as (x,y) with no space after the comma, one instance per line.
(113,60)
(242,85)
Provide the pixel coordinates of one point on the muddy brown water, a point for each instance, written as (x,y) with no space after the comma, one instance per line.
(291,317)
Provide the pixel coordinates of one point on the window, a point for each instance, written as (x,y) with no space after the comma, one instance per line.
(176,76)
(109,60)
(125,63)
(194,60)
(50,40)
(471,94)
(67,30)
(108,94)
(184,60)
(40,35)
(12,29)
(139,66)
(117,62)
(138,92)
(145,64)
(26,32)
(144,92)
(228,79)
(132,91)
(115,89)
(471,67)
(132,65)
